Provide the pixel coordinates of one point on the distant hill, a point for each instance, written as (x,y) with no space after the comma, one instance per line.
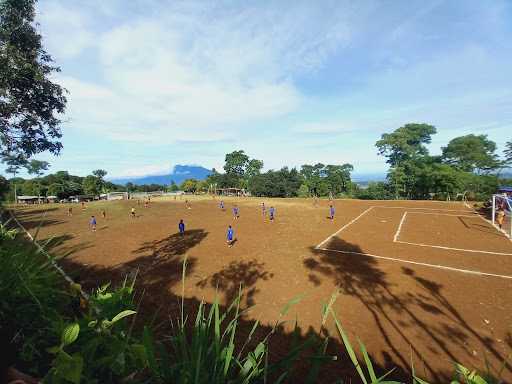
(178,175)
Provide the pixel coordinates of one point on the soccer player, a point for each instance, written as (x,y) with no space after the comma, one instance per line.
(500,216)
(187,203)
(331,211)
(230,236)
(181,227)
(221,205)
(103,213)
(271,213)
(146,204)
(133,213)
(236,212)
(263,209)
(70,211)
(83,205)
(92,223)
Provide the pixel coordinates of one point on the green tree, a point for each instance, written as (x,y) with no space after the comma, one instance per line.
(14,163)
(189,185)
(405,143)
(30,102)
(90,185)
(235,163)
(37,167)
(402,147)
(173,187)
(100,174)
(508,152)
(472,153)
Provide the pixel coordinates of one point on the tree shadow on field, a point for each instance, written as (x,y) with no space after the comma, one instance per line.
(158,267)
(31,219)
(56,245)
(229,279)
(158,304)
(394,311)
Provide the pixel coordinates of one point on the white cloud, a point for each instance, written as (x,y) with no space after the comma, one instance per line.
(200,72)
(66,30)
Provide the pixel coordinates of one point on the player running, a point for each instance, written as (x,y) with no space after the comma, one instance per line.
(103,213)
(263,209)
(236,212)
(230,236)
(92,224)
(271,213)
(181,227)
(221,205)
(70,211)
(331,212)
(133,213)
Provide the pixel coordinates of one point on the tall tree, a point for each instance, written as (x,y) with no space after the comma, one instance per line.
(90,185)
(29,101)
(14,163)
(235,163)
(401,147)
(37,167)
(508,152)
(472,153)
(100,174)
(405,143)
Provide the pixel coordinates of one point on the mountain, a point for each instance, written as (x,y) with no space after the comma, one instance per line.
(178,175)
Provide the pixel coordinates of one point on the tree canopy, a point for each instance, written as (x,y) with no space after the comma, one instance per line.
(30,103)
(471,153)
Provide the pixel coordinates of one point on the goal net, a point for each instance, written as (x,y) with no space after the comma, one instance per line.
(501,213)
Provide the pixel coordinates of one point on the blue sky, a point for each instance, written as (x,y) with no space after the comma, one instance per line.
(158,83)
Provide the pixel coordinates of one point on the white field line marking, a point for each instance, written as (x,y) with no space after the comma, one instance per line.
(344,227)
(467,271)
(442,214)
(454,249)
(426,209)
(399,227)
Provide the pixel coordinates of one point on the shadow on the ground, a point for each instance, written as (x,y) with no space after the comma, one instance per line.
(56,245)
(34,218)
(229,279)
(159,269)
(359,276)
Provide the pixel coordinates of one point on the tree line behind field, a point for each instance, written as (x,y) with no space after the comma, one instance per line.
(468,164)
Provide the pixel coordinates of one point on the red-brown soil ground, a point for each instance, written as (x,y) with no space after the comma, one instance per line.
(402,311)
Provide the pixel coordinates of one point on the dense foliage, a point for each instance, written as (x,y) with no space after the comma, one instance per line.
(30,103)
(468,165)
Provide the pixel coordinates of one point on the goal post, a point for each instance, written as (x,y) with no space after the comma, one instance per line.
(502,214)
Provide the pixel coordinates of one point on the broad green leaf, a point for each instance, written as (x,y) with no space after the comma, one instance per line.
(70,334)
(122,314)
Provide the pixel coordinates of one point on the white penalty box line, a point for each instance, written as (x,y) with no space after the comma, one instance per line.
(437,266)
(399,229)
(320,247)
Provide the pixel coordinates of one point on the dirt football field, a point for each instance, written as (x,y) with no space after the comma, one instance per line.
(420,281)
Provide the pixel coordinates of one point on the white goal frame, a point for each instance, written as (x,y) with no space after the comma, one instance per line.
(507,202)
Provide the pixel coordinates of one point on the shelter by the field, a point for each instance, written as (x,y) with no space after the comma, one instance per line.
(25,199)
(231,192)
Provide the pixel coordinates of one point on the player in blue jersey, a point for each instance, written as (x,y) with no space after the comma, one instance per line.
(230,236)
(331,211)
(236,212)
(92,223)
(271,213)
(181,227)
(221,205)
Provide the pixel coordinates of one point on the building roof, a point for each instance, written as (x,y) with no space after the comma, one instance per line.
(29,197)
